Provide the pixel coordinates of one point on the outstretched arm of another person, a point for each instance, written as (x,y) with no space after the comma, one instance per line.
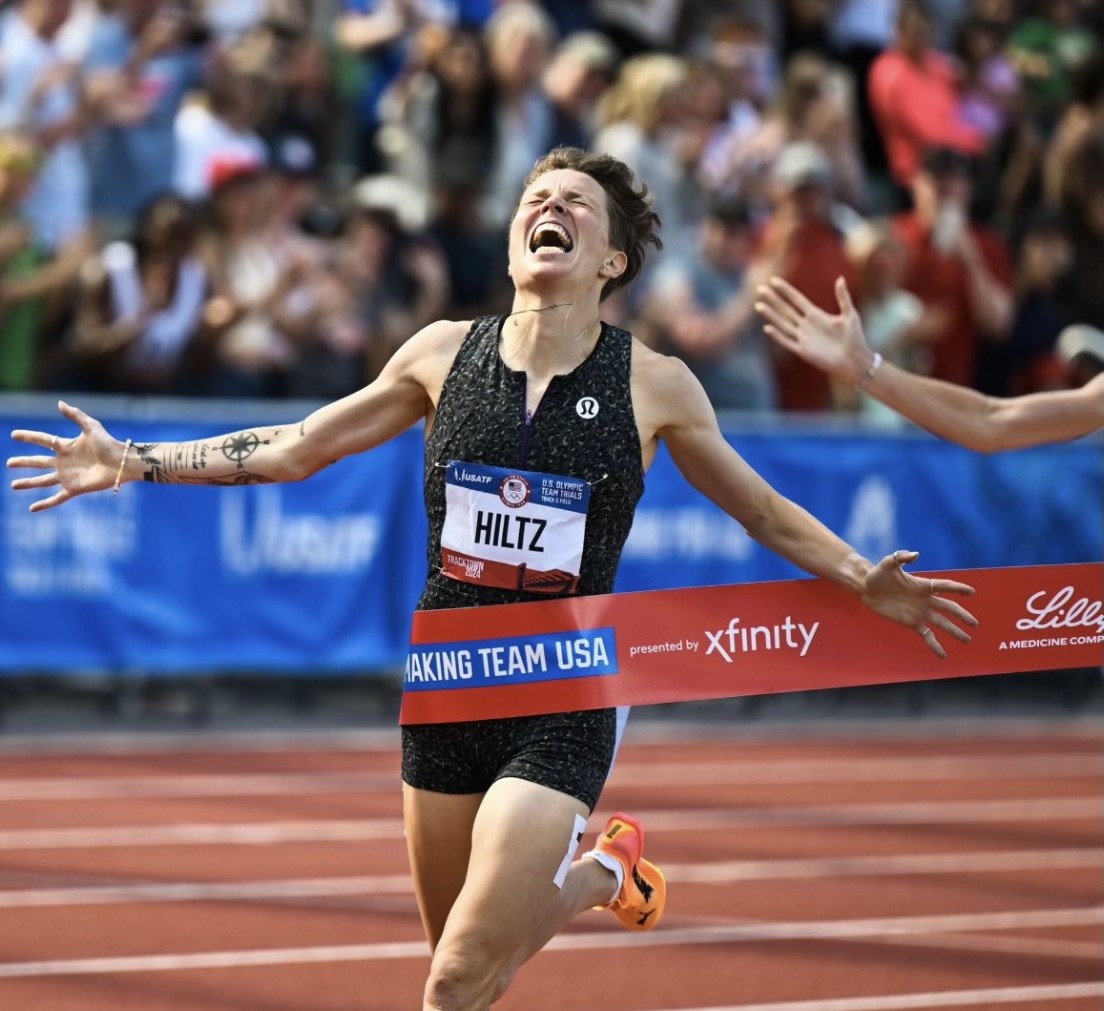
(94,459)
(687,423)
(836,344)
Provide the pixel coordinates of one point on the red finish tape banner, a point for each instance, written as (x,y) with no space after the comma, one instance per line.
(723,641)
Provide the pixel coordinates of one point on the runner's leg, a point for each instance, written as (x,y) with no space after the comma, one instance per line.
(521,834)
(438,841)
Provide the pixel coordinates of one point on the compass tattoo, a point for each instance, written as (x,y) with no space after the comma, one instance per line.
(186,462)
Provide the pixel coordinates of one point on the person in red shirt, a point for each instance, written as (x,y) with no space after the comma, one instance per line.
(961,271)
(801,243)
(914,97)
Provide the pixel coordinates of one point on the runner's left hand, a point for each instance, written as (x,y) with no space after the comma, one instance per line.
(914,601)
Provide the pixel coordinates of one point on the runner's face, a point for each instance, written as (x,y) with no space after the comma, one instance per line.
(560,231)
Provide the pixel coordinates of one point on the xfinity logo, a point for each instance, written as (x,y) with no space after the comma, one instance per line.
(751,638)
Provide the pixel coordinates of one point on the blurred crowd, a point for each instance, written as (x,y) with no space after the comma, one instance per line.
(264,198)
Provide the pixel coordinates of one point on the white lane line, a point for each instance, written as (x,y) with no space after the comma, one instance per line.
(937,998)
(214,785)
(929,863)
(626,774)
(203,834)
(731,934)
(699,873)
(1036,947)
(173,891)
(870,769)
(968,812)
(908,813)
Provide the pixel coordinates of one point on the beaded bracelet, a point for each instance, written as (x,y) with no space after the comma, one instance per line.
(122,464)
(875,364)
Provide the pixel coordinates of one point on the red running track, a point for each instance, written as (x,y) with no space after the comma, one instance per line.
(814,868)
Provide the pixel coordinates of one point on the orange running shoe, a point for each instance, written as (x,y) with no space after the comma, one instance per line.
(640,903)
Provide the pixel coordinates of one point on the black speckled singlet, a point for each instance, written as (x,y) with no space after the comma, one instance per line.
(481,418)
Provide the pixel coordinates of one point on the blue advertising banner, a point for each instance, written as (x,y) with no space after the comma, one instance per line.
(311,577)
(321,576)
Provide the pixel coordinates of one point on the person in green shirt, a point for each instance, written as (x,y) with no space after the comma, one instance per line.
(20,318)
(1045,50)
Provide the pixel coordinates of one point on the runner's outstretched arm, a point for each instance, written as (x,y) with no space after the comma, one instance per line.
(836,344)
(91,461)
(688,424)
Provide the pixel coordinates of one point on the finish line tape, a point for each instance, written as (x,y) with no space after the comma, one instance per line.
(724,641)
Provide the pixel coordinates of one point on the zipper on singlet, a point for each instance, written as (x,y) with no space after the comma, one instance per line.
(526,429)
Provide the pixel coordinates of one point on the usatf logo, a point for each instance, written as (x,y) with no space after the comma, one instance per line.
(587,408)
(514,491)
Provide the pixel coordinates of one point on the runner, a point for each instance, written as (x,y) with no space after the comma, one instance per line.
(495,809)
(837,344)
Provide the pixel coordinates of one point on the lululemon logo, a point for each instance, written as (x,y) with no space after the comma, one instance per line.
(587,408)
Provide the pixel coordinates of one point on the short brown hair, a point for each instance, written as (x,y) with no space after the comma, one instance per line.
(632,222)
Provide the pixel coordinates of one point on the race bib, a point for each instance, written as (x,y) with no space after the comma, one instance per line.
(513,529)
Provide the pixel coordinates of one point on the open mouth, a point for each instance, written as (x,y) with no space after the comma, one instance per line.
(550,235)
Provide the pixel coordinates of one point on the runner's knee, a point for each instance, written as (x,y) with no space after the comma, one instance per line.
(464,973)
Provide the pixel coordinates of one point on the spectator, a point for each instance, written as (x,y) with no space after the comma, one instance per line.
(956,267)
(914,97)
(815,105)
(475,256)
(443,120)
(39,94)
(375,35)
(739,53)
(1082,118)
(232,20)
(1046,50)
(894,320)
(801,244)
(988,85)
(1082,288)
(291,195)
(638,26)
(582,68)
(701,303)
(222,130)
(1045,258)
(806,26)
(520,37)
(305,100)
(397,281)
(640,124)
(141,304)
(142,61)
(246,326)
(20,162)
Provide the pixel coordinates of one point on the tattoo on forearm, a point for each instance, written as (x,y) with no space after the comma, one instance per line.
(185,462)
(240,446)
(303,429)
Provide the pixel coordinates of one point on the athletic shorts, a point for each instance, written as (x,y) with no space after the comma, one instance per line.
(571,753)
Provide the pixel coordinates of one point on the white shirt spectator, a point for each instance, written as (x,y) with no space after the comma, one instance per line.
(58,206)
(203,141)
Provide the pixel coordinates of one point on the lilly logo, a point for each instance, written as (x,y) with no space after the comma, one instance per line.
(1061,611)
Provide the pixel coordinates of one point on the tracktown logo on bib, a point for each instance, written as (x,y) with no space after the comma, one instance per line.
(587,408)
(514,491)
